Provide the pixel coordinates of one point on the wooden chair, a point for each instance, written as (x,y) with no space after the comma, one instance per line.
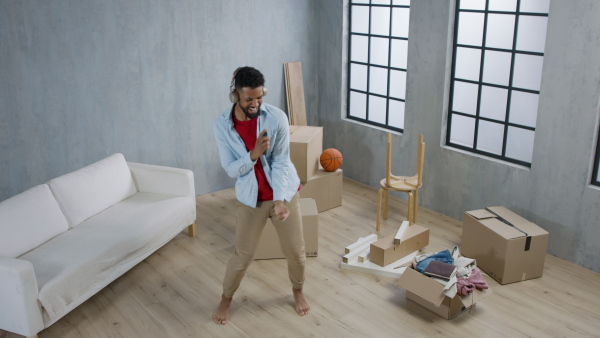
(407,184)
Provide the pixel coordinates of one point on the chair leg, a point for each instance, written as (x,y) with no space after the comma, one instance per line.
(410,207)
(377,226)
(415,205)
(192,230)
(385,208)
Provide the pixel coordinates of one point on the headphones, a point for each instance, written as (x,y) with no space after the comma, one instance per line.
(233,97)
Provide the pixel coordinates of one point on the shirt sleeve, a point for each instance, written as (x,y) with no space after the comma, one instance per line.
(233,165)
(281,161)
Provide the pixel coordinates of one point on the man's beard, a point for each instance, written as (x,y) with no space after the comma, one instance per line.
(248,114)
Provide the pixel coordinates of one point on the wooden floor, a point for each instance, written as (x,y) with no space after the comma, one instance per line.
(174,292)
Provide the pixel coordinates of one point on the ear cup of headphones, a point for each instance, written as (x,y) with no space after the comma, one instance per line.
(232,96)
(264,91)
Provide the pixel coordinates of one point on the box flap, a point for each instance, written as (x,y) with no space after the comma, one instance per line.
(481,214)
(526,226)
(422,286)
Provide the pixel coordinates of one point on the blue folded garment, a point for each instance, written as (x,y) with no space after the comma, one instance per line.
(442,256)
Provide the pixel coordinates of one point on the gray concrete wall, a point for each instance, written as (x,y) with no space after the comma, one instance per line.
(80,80)
(554,193)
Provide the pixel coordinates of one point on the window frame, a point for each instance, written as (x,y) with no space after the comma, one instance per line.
(480,83)
(388,68)
(595,179)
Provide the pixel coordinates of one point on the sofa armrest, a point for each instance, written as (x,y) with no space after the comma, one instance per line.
(19,298)
(162,180)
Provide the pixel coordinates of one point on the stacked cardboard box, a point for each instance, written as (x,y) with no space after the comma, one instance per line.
(269,246)
(506,246)
(306,145)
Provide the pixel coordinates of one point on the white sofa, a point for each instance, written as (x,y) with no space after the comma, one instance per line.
(62,242)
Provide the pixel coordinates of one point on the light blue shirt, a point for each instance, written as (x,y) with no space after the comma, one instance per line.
(235,159)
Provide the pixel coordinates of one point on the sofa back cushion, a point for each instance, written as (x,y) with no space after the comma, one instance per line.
(28,220)
(89,190)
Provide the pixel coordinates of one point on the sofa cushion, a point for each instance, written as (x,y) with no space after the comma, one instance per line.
(74,266)
(85,192)
(28,220)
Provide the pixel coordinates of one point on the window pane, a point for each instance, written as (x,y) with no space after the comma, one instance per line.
(360,1)
(493,103)
(468,61)
(470,29)
(519,144)
(496,67)
(379,51)
(503,5)
(472,4)
(531,35)
(360,46)
(523,108)
(378,80)
(462,131)
(397,84)
(358,78)
(464,99)
(399,53)
(535,6)
(400,21)
(380,2)
(360,19)
(402,2)
(377,109)
(490,137)
(500,28)
(358,105)
(380,21)
(528,71)
(396,114)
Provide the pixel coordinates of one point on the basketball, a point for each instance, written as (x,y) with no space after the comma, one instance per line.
(331,159)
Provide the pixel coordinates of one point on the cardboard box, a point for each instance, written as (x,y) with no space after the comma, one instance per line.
(325,187)
(506,253)
(306,146)
(384,251)
(269,247)
(430,294)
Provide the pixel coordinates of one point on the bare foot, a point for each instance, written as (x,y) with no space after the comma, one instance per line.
(302,306)
(222,312)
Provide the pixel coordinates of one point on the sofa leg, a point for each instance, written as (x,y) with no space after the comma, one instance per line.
(192,230)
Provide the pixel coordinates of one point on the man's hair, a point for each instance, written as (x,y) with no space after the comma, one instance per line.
(248,77)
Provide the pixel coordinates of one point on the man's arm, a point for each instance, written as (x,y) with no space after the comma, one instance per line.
(234,166)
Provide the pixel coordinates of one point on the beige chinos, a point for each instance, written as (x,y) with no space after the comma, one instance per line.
(249,228)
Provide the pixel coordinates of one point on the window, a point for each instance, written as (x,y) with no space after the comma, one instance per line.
(377,50)
(596,172)
(496,76)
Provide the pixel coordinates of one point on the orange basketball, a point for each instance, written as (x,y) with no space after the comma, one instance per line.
(331,159)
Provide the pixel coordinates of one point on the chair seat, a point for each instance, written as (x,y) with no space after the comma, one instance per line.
(401,183)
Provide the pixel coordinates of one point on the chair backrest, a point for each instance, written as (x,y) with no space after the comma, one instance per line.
(388,161)
(420,161)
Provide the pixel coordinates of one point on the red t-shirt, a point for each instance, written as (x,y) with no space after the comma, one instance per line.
(247,130)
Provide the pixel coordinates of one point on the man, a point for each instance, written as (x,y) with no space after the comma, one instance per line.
(253,141)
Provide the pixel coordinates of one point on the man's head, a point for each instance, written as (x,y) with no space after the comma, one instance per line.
(247,90)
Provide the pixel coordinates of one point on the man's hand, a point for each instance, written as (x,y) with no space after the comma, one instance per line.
(281,210)
(261,145)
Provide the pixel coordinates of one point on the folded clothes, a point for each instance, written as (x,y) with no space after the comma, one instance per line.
(442,256)
(466,286)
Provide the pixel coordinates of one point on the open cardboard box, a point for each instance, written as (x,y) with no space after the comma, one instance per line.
(430,294)
(506,253)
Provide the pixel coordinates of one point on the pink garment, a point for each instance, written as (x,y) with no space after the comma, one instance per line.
(465,286)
